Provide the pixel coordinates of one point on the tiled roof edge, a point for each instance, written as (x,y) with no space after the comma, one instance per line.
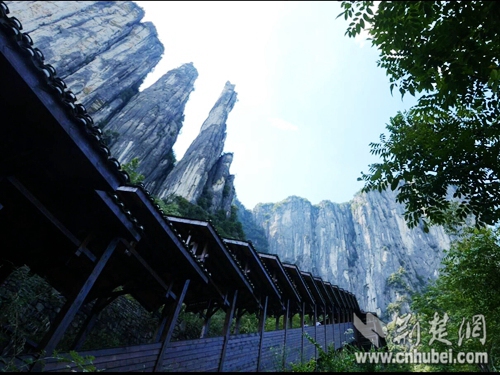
(12,26)
(59,90)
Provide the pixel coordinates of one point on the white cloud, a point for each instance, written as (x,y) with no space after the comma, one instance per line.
(282,124)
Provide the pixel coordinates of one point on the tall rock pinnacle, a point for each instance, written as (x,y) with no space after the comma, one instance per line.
(147,127)
(190,175)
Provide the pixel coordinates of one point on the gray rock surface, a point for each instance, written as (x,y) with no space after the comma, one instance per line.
(361,245)
(148,126)
(103,52)
(100,48)
(191,173)
(219,189)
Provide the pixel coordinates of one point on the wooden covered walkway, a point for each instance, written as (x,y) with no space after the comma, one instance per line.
(68,211)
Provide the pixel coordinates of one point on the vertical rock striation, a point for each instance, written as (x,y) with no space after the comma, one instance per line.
(199,164)
(359,245)
(100,48)
(148,126)
(219,189)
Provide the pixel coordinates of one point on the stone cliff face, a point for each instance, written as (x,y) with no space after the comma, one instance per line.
(219,189)
(103,52)
(147,127)
(100,48)
(363,246)
(203,167)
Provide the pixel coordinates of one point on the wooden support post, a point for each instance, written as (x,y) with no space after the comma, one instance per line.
(285,324)
(75,301)
(227,329)
(262,328)
(206,320)
(161,326)
(206,327)
(325,326)
(333,326)
(237,325)
(89,323)
(277,322)
(302,323)
(315,330)
(239,314)
(285,317)
(172,319)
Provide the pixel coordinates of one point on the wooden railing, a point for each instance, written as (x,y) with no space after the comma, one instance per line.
(204,355)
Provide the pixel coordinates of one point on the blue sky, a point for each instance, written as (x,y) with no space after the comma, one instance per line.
(310,99)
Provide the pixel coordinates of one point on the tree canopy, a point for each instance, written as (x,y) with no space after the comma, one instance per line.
(448,145)
(464,290)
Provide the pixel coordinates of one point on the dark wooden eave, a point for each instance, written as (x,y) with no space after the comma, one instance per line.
(351,299)
(281,278)
(345,298)
(36,237)
(322,289)
(224,270)
(248,257)
(329,288)
(165,249)
(356,304)
(347,305)
(338,294)
(318,296)
(301,285)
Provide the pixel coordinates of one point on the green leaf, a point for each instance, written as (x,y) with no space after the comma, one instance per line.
(446,55)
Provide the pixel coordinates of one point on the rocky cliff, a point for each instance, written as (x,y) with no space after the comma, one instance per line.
(100,48)
(103,52)
(219,189)
(147,127)
(363,246)
(203,169)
